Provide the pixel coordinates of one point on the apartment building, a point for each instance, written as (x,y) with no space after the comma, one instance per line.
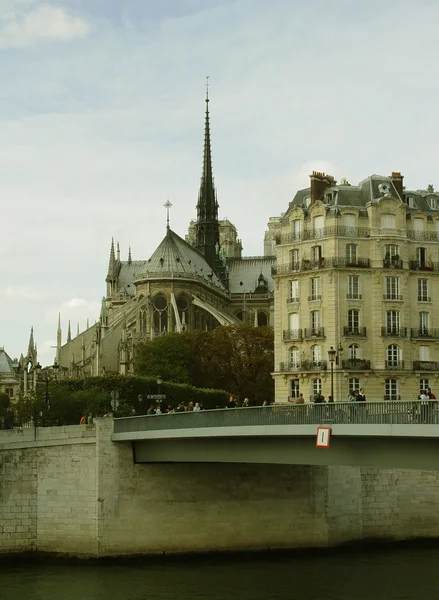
(356,281)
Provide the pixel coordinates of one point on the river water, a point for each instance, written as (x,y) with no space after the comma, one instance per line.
(391,573)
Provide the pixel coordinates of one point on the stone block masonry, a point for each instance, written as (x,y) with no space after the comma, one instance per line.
(74,492)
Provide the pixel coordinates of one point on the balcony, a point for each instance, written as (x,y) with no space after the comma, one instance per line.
(348,263)
(424,299)
(305,365)
(290,335)
(356,364)
(314,332)
(393,263)
(398,297)
(394,331)
(425,365)
(349,331)
(419,265)
(312,265)
(354,297)
(395,365)
(293,300)
(314,234)
(424,333)
(424,236)
(314,297)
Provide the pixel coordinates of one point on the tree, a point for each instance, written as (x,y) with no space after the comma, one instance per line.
(166,355)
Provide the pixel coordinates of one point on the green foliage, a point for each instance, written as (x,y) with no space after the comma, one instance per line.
(5,403)
(166,355)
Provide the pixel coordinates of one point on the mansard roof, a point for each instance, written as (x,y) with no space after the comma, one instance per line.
(175,257)
(247,270)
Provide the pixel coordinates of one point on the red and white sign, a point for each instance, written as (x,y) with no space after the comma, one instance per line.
(323,437)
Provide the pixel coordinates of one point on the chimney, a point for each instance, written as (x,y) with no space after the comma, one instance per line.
(397,178)
(319,183)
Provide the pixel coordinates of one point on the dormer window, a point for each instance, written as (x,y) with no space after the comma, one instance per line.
(307,201)
(433,203)
(411,202)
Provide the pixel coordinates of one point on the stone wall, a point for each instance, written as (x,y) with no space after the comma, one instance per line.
(73,491)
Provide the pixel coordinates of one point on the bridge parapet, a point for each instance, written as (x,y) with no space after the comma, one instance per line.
(369,413)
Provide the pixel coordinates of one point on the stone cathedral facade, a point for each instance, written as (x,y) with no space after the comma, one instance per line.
(195,283)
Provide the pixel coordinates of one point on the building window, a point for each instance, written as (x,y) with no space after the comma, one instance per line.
(392,288)
(393,357)
(315,293)
(316,355)
(160,315)
(353,321)
(297,229)
(433,203)
(354,351)
(294,357)
(307,201)
(316,388)
(423,384)
(422,290)
(295,388)
(392,321)
(391,389)
(293,322)
(418,224)
(262,318)
(316,253)
(318,225)
(423,323)
(424,353)
(388,221)
(353,287)
(391,250)
(349,220)
(295,259)
(354,385)
(351,253)
(411,202)
(293,293)
(421,257)
(315,320)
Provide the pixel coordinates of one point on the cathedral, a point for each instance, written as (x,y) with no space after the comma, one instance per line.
(198,282)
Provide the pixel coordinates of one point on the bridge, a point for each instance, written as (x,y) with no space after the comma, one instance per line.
(395,434)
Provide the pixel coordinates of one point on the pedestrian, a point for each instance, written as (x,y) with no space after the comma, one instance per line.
(361,396)
(133,412)
(425,401)
(231,403)
(190,406)
(246,403)
(351,396)
(300,399)
(180,408)
(330,399)
(82,421)
(158,410)
(197,407)
(151,410)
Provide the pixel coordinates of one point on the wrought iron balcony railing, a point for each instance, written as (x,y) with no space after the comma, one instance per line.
(425,365)
(425,236)
(393,263)
(349,263)
(349,331)
(314,297)
(394,331)
(314,332)
(398,297)
(293,300)
(397,365)
(418,265)
(356,364)
(304,365)
(292,334)
(313,234)
(424,332)
(424,299)
(354,297)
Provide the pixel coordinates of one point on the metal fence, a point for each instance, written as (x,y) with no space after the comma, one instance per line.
(355,413)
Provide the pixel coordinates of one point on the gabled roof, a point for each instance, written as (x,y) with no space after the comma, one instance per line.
(6,362)
(174,256)
(247,270)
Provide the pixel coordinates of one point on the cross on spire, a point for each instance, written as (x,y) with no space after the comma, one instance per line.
(167,205)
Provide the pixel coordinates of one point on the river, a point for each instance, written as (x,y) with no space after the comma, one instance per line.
(386,573)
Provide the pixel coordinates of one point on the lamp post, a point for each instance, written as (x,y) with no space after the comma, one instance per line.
(339,359)
(159,383)
(46,379)
(331,355)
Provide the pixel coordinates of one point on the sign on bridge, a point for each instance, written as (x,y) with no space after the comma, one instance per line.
(323,437)
(156,396)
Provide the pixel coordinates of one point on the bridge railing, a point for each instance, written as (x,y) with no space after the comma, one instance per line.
(361,413)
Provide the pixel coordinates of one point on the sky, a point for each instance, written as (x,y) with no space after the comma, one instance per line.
(102,117)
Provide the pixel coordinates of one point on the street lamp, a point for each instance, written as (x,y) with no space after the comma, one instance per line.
(331,355)
(159,383)
(46,379)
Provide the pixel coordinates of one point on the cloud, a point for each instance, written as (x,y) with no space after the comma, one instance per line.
(75,310)
(43,23)
(23,293)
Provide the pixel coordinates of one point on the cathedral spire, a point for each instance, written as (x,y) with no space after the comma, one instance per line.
(58,340)
(111,262)
(31,347)
(69,333)
(129,256)
(207,227)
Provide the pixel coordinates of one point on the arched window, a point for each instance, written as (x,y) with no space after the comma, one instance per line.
(354,351)
(393,357)
(262,319)
(294,357)
(297,229)
(183,311)
(160,315)
(316,355)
